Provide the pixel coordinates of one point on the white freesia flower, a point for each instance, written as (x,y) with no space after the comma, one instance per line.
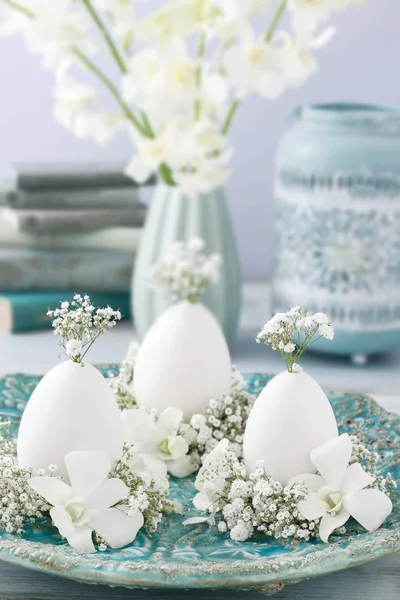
(339,491)
(56,31)
(86,504)
(72,97)
(180,98)
(156,443)
(253,65)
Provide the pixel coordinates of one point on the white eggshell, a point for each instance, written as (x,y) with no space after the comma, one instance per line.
(183,361)
(290,417)
(72,408)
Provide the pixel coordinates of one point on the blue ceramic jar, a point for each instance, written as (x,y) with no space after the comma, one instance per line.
(337,223)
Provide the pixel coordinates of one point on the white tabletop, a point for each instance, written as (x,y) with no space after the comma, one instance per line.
(38,352)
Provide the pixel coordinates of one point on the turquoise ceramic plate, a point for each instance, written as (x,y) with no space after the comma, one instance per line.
(198,557)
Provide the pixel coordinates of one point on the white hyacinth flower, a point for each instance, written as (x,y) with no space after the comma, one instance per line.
(339,491)
(86,504)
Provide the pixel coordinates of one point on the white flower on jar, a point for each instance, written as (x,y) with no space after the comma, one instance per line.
(340,491)
(87,504)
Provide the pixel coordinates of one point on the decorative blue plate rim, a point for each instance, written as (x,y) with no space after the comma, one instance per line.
(197,557)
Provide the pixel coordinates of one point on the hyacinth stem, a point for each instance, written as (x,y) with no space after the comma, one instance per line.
(145,127)
(199,72)
(21,8)
(107,37)
(275,20)
(268,38)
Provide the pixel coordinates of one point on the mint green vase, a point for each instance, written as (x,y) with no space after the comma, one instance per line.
(174,216)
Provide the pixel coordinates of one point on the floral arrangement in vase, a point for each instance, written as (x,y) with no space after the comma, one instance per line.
(177,106)
(176,76)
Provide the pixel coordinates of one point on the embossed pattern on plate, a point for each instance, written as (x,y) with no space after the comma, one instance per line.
(198,557)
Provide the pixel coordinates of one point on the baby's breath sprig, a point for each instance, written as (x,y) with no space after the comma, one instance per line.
(242,503)
(79,324)
(293,332)
(20,505)
(146,493)
(184,271)
(224,418)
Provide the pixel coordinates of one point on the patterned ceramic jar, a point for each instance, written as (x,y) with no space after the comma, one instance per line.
(338,223)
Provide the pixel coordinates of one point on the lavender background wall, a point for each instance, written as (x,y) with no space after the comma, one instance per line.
(361,64)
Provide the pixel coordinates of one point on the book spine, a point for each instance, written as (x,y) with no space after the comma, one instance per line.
(33,181)
(112,199)
(28,310)
(69,270)
(48,221)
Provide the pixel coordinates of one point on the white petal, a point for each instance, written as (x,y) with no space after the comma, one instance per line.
(155,465)
(117,528)
(178,447)
(181,467)
(81,540)
(329,524)
(323,38)
(87,470)
(107,494)
(201,501)
(53,490)
(138,427)
(310,509)
(369,507)
(170,419)
(331,459)
(138,169)
(355,478)
(196,520)
(311,481)
(62,520)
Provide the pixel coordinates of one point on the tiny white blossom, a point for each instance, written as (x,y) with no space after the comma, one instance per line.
(73,348)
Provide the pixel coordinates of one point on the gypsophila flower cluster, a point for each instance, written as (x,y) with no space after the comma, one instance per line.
(293,332)
(122,384)
(225,418)
(184,271)
(79,324)
(241,503)
(369,461)
(147,494)
(19,504)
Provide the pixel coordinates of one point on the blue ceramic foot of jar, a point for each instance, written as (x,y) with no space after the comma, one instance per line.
(359,359)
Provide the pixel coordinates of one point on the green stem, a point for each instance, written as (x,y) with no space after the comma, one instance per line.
(199,72)
(228,119)
(112,89)
(166,174)
(275,20)
(20,8)
(268,38)
(107,37)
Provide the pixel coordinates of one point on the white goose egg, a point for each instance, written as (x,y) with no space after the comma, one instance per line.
(183,361)
(290,417)
(72,408)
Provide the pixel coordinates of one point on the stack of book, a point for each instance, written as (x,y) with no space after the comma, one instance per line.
(64,230)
